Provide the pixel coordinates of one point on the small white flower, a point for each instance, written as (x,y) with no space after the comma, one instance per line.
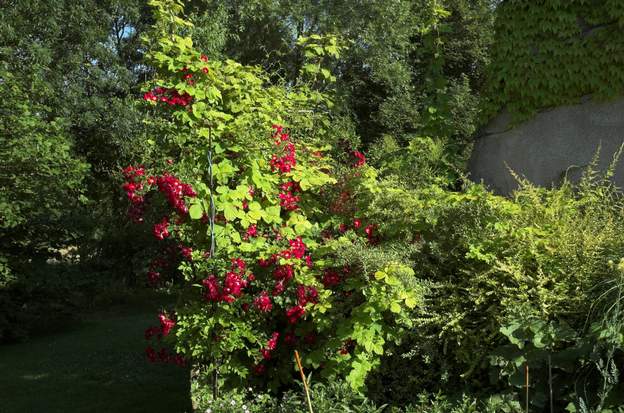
(209,410)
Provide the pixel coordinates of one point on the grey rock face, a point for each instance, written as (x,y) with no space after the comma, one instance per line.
(554,143)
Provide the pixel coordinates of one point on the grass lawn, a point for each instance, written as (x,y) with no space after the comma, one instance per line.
(95,365)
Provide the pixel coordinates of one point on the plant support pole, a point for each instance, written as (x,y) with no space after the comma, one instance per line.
(550,387)
(215,375)
(305,383)
(526,385)
(215,382)
(211,186)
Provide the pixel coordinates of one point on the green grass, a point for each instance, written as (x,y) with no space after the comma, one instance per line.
(95,365)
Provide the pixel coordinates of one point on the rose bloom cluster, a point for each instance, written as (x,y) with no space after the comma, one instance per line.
(283,164)
(175,190)
(237,285)
(163,355)
(231,287)
(169,96)
(171,187)
(133,184)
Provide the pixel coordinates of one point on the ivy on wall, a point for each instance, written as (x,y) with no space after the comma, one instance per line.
(552,52)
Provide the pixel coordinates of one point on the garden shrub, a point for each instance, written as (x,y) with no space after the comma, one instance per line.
(512,282)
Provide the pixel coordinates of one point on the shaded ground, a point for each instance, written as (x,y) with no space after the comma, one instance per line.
(95,365)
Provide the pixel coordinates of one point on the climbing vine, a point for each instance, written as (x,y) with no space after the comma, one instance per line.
(553,52)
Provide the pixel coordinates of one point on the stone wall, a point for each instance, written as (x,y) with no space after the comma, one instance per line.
(551,144)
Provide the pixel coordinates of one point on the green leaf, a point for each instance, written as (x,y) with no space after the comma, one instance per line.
(230,212)
(198,109)
(255,206)
(410,302)
(310,68)
(255,215)
(395,307)
(196,211)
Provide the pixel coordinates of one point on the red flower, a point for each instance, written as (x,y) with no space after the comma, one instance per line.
(169,96)
(212,285)
(357,223)
(166,324)
(297,247)
(285,163)
(252,231)
(161,230)
(203,58)
(149,96)
(233,287)
(153,276)
(294,314)
(306,295)
(370,233)
(272,343)
(283,272)
(308,261)
(360,159)
(266,263)
(128,172)
(259,369)
(263,302)
(151,354)
(175,191)
(238,265)
(330,278)
(186,252)
(278,288)
(288,201)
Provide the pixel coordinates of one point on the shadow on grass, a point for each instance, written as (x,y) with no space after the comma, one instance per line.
(97,365)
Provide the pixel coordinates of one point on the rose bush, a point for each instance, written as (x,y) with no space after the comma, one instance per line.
(252,215)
